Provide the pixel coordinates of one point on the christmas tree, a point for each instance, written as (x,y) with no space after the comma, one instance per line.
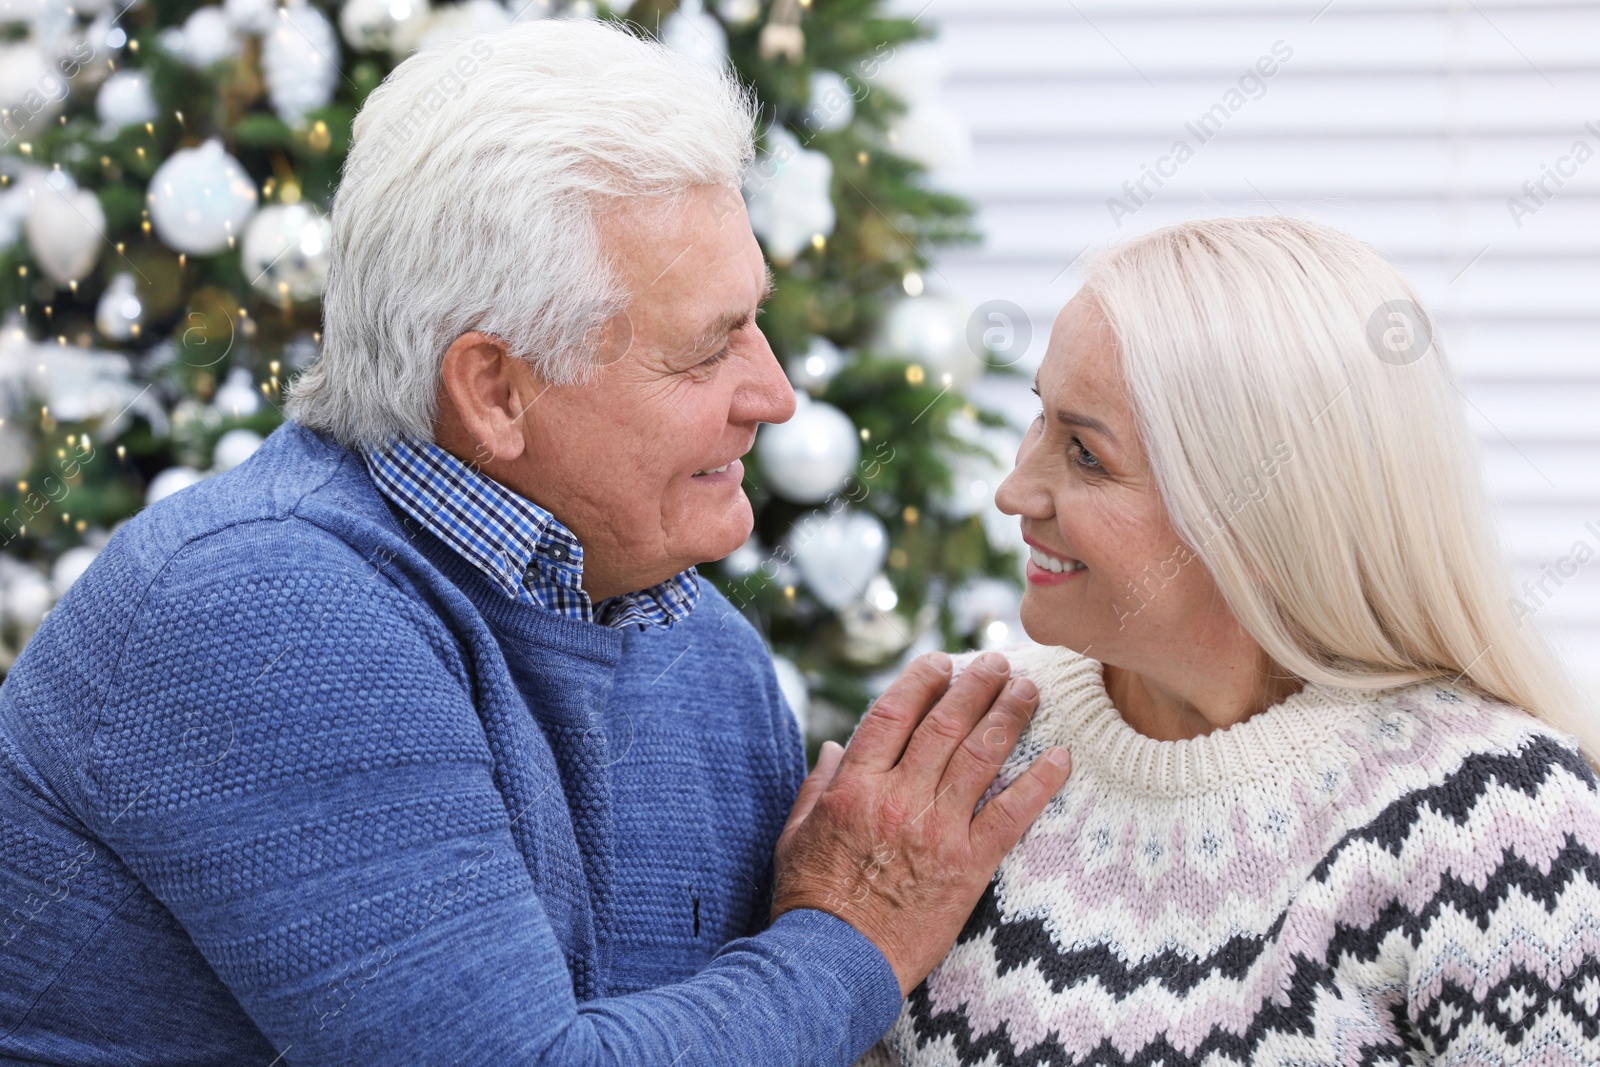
(164,187)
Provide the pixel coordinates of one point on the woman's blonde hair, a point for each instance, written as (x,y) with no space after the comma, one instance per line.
(1310,447)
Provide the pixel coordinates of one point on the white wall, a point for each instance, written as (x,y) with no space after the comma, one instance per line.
(1409,124)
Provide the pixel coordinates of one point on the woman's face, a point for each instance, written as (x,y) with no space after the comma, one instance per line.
(1132,595)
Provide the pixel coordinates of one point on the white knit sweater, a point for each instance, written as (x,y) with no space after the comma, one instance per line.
(1345,878)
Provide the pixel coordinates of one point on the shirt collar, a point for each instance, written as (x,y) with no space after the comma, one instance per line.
(523,548)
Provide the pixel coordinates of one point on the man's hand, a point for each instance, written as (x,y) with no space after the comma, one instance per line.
(883,833)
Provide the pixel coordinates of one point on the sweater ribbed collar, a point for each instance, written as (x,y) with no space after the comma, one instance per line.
(1297,734)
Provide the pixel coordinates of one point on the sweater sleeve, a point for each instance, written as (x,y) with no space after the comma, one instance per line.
(290,759)
(1503,870)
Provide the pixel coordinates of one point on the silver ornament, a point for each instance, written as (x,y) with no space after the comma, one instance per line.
(467,17)
(250,16)
(169,481)
(832,106)
(384,25)
(872,635)
(70,565)
(26,596)
(813,369)
(796,693)
(931,331)
(65,227)
(693,33)
(300,61)
(285,251)
(237,396)
(31,91)
(233,448)
(838,554)
(977,606)
(124,100)
(744,560)
(207,37)
(119,314)
(811,455)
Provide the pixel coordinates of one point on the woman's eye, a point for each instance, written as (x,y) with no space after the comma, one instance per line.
(1083,457)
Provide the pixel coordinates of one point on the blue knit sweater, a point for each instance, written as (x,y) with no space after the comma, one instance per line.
(282,775)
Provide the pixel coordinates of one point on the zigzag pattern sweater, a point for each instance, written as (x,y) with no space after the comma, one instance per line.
(1411,877)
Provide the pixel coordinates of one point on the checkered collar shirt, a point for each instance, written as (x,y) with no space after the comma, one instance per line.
(523,548)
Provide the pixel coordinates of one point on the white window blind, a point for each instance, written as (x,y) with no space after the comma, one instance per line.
(1460,138)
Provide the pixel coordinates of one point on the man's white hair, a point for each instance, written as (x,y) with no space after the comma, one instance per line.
(468,200)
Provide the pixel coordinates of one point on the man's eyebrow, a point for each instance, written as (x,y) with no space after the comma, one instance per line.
(1074,418)
(729,321)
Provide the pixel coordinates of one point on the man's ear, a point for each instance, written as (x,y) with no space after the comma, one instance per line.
(487,392)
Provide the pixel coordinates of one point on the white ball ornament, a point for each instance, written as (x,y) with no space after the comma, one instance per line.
(124,100)
(285,251)
(458,20)
(744,560)
(383,25)
(365,25)
(811,455)
(300,61)
(796,693)
(15,200)
(32,92)
(982,601)
(814,368)
(237,396)
(691,32)
(838,554)
(873,633)
(70,565)
(250,16)
(106,37)
(207,37)
(832,105)
(932,331)
(119,312)
(27,596)
(170,481)
(65,227)
(199,198)
(233,448)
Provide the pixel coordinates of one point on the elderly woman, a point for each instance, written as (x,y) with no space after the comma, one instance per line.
(1327,807)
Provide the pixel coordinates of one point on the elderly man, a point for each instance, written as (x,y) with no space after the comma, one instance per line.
(417,738)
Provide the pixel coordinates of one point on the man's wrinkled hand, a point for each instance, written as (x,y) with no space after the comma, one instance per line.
(883,833)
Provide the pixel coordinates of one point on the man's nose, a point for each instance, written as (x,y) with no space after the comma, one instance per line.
(770,397)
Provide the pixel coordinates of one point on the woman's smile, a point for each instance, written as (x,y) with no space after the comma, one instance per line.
(1046,567)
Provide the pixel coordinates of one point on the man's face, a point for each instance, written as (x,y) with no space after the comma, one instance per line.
(686,378)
